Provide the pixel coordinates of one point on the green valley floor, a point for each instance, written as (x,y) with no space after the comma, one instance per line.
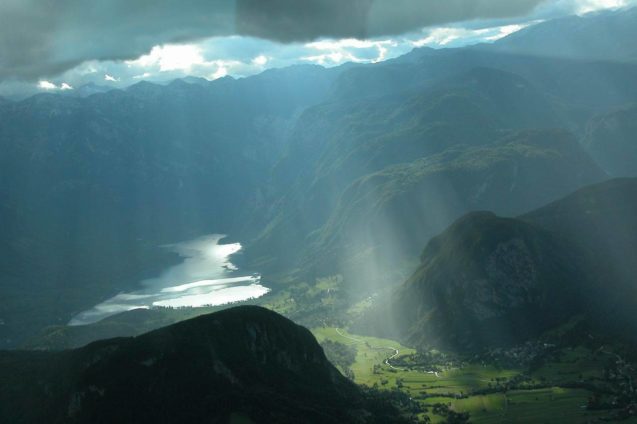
(553,393)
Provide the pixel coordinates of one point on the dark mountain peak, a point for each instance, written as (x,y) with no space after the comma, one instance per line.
(490,281)
(476,236)
(259,336)
(245,362)
(485,281)
(247,345)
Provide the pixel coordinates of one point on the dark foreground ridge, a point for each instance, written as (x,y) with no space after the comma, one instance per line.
(245,364)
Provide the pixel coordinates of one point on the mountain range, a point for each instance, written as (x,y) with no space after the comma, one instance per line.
(318,172)
(500,178)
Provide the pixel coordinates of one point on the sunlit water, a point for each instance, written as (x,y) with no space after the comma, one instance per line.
(206,277)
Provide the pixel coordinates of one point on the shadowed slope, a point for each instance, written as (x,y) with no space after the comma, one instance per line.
(489,281)
(242,362)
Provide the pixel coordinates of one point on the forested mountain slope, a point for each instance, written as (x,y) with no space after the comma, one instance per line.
(489,281)
(245,364)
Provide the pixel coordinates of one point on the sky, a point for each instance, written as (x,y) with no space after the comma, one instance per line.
(61,45)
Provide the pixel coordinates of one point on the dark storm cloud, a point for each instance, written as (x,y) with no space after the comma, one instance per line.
(290,20)
(40,38)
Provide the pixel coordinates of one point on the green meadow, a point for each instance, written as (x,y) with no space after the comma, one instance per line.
(454,384)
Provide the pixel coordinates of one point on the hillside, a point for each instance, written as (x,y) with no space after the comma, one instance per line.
(245,364)
(395,211)
(601,219)
(489,281)
(364,174)
(485,281)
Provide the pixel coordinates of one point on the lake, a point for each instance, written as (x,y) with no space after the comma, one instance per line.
(205,277)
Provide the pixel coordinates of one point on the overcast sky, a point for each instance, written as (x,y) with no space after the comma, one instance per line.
(58,45)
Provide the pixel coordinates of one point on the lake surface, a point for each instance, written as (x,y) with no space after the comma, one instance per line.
(206,277)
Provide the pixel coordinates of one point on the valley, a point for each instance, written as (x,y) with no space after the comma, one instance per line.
(575,370)
(445,236)
(557,390)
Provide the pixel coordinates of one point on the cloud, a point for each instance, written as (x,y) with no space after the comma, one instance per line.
(40,38)
(171,57)
(49,86)
(556,8)
(399,15)
(43,38)
(587,6)
(130,49)
(260,60)
(240,56)
(293,20)
(455,36)
(335,52)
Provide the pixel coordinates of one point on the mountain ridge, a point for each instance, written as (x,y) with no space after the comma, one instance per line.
(245,362)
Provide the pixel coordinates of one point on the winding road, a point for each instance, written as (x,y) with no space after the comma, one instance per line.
(386,362)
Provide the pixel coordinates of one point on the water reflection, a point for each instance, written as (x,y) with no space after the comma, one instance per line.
(205,277)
